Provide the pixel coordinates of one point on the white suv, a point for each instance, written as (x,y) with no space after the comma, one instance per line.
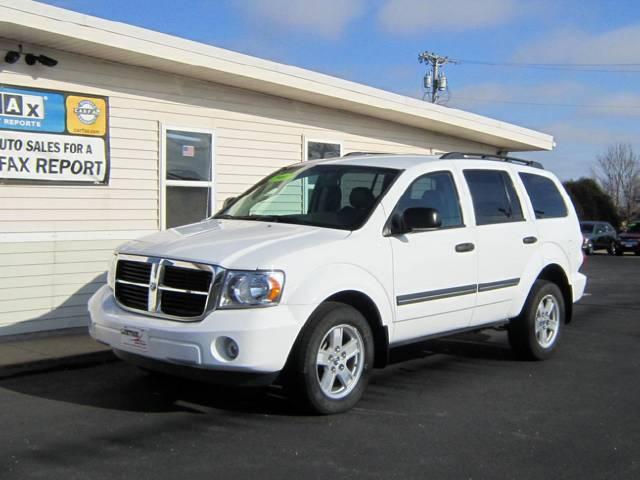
(317,271)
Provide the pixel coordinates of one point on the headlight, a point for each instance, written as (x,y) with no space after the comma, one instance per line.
(111,273)
(251,289)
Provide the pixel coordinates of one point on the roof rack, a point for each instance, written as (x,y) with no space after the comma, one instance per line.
(486,156)
(358,154)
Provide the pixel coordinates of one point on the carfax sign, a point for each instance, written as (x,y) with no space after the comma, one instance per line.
(53,137)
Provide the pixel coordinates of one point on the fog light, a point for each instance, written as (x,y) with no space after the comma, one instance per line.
(226,348)
(231,348)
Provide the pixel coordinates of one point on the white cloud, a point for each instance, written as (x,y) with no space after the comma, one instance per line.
(414,16)
(587,133)
(620,104)
(557,92)
(324,18)
(585,100)
(576,46)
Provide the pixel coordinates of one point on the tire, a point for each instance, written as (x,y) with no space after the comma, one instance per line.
(613,249)
(329,367)
(535,333)
(589,249)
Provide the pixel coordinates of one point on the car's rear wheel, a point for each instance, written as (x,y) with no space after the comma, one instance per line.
(613,249)
(329,367)
(535,333)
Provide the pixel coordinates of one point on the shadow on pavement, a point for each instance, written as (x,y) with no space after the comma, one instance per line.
(119,386)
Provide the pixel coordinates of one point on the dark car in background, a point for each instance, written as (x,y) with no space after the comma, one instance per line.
(629,240)
(599,236)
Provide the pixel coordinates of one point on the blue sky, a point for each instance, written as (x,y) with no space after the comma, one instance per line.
(377,42)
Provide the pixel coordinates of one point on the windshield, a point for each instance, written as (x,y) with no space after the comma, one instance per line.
(586,227)
(633,228)
(332,196)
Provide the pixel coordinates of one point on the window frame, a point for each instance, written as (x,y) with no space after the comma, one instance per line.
(518,195)
(164,182)
(395,210)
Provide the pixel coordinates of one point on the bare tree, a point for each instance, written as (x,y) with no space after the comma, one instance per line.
(618,171)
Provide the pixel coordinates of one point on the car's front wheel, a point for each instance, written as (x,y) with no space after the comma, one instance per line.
(535,333)
(329,367)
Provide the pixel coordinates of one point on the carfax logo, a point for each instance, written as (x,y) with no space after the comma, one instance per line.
(22,106)
(86,115)
(31,110)
(87,112)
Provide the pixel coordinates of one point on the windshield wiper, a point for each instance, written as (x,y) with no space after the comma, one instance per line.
(257,218)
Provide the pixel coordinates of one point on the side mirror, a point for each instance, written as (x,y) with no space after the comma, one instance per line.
(227,202)
(419,219)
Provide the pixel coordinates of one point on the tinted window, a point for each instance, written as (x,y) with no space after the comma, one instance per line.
(494,197)
(586,227)
(434,190)
(546,199)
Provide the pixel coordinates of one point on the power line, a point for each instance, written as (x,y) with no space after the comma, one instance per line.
(544,104)
(572,67)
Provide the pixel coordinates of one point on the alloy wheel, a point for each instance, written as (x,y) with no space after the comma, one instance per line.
(547,321)
(340,361)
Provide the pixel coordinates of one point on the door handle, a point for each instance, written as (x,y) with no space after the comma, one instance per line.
(529,240)
(465,247)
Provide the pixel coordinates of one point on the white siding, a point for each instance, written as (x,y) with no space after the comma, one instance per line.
(55,241)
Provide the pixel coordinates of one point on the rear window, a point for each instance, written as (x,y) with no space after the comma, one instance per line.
(494,197)
(546,199)
(586,227)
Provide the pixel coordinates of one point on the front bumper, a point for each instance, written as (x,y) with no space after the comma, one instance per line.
(628,245)
(265,336)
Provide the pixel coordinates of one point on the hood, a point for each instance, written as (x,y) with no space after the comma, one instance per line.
(237,244)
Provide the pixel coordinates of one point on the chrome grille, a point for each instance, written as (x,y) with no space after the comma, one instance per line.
(134,272)
(132,296)
(165,288)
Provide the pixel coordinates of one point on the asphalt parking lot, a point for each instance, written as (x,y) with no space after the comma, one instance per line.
(461,408)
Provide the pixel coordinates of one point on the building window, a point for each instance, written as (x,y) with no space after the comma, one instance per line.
(316,150)
(188,176)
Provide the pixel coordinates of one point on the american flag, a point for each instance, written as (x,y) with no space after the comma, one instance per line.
(188,151)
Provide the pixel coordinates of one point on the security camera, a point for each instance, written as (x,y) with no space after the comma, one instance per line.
(12,56)
(47,61)
(31,59)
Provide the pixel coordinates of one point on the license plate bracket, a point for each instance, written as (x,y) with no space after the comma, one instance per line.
(135,338)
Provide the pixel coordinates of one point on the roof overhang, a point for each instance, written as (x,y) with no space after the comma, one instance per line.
(35,23)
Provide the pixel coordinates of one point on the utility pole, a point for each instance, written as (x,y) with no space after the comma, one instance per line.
(435,81)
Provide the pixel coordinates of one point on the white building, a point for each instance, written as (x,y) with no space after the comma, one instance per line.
(134,131)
